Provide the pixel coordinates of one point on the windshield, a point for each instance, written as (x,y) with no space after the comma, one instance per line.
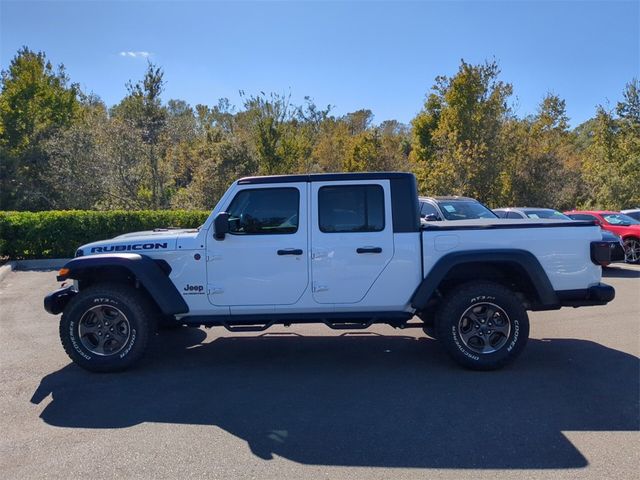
(552,214)
(620,219)
(464,210)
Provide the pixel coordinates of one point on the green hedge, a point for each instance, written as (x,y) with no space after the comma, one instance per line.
(57,234)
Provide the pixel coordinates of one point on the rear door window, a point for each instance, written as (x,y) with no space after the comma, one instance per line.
(351,208)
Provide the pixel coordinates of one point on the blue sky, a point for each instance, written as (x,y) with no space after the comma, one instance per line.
(378,55)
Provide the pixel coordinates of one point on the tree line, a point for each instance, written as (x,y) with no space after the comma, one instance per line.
(62,148)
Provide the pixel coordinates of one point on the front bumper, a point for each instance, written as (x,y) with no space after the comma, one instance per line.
(600,294)
(55,302)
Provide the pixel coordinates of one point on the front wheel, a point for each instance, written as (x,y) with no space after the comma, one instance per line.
(632,250)
(482,325)
(106,328)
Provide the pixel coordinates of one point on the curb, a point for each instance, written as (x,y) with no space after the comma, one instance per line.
(6,268)
(45,264)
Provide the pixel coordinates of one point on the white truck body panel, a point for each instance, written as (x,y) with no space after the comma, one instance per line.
(565,256)
(244,275)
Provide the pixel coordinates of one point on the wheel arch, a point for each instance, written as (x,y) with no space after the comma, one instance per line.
(517,269)
(136,270)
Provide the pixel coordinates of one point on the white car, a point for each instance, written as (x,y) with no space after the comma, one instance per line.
(346,250)
(435,209)
(633,213)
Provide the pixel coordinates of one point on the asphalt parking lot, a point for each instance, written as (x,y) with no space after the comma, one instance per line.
(309,402)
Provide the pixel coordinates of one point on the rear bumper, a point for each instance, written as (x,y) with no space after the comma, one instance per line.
(55,302)
(600,294)
(617,252)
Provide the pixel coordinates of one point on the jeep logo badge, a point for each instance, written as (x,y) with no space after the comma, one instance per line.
(193,289)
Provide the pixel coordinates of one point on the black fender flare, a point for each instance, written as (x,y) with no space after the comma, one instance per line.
(525,260)
(147,271)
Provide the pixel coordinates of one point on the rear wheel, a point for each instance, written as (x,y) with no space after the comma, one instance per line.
(482,325)
(106,328)
(632,250)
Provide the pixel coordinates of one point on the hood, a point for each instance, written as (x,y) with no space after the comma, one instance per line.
(160,239)
(157,232)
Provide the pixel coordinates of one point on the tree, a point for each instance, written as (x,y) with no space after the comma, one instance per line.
(629,108)
(537,157)
(612,161)
(36,101)
(456,135)
(283,135)
(77,157)
(143,113)
(220,162)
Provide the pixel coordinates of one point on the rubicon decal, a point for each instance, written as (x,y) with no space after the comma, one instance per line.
(128,248)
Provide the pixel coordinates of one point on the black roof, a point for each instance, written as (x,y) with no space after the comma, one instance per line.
(324,177)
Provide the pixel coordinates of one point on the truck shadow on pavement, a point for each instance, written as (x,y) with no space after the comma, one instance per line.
(362,400)
(615,272)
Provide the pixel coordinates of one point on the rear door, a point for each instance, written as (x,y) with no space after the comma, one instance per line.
(351,238)
(263,260)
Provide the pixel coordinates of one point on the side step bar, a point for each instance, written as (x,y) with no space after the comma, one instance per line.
(336,321)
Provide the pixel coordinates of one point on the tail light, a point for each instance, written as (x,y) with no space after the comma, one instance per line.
(601,253)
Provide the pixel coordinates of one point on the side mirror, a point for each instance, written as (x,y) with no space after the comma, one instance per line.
(221,225)
(431,218)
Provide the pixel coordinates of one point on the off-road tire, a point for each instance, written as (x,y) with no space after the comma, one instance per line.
(430,331)
(117,300)
(464,339)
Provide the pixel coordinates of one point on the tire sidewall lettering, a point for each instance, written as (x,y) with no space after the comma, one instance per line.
(516,334)
(456,340)
(74,341)
(481,298)
(132,342)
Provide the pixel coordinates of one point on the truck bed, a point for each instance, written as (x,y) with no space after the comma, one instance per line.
(562,247)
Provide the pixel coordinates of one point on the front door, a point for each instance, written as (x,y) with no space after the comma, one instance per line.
(263,260)
(351,238)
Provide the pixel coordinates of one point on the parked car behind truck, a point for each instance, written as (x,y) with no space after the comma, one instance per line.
(633,213)
(453,208)
(346,250)
(615,241)
(626,227)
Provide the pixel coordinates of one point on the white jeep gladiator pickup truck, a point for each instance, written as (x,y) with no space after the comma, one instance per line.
(346,250)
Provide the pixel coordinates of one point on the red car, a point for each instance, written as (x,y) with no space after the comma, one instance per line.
(628,228)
